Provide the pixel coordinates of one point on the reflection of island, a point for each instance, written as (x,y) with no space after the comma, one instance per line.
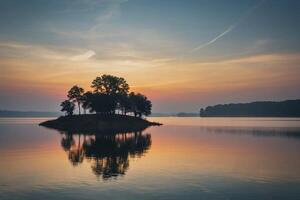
(108,154)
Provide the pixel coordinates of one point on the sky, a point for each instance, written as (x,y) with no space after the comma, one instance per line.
(182,54)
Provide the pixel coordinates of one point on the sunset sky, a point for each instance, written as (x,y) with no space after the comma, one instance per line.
(182,54)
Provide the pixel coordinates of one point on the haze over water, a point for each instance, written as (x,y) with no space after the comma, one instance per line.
(186,158)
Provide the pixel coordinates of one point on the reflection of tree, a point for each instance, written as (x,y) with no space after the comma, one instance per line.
(76,153)
(67,141)
(109,154)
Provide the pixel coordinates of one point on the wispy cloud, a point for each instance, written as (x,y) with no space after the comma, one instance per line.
(14,45)
(82,57)
(32,51)
(107,11)
(266,59)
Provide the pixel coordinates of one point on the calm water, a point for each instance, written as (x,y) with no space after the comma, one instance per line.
(187,158)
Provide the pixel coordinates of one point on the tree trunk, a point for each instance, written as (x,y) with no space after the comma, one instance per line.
(79,108)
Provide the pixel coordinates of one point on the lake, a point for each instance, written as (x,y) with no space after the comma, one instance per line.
(186,158)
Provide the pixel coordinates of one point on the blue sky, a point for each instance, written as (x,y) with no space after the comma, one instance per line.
(194,49)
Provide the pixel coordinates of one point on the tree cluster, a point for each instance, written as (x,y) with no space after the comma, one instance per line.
(110,95)
(288,108)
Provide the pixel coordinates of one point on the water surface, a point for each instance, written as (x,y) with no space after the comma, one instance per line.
(186,158)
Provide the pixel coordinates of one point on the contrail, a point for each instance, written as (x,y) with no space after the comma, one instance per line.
(230,28)
(215,39)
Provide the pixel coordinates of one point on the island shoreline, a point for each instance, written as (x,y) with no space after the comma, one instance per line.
(104,123)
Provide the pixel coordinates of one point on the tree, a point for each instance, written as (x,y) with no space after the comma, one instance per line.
(111,85)
(140,105)
(75,94)
(102,103)
(146,107)
(123,103)
(86,101)
(68,107)
(110,96)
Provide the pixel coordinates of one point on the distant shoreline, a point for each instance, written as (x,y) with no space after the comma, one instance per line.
(27,114)
(259,109)
(288,108)
(11,113)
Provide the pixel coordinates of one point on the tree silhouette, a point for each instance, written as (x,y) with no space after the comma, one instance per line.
(86,101)
(288,108)
(75,94)
(108,84)
(123,103)
(140,105)
(68,107)
(110,96)
(102,103)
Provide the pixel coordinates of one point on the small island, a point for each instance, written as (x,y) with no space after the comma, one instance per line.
(109,108)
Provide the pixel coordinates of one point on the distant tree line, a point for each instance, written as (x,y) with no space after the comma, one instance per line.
(288,108)
(11,113)
(110,95)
